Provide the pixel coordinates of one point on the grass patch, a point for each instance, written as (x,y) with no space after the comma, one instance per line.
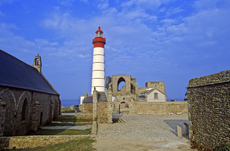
(67,110)
(63,132)
(73,120)
(84,144)
(69,124)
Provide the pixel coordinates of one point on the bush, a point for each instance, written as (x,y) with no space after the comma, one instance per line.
(225,147)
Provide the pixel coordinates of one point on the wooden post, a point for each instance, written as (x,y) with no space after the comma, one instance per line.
(179,131)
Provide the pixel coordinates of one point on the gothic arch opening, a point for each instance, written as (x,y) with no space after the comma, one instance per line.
(24,112)
(121,83)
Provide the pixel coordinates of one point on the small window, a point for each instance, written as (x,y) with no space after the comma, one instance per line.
(24,110)
(155,95)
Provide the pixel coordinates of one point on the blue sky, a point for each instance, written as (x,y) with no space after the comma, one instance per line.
(152,40)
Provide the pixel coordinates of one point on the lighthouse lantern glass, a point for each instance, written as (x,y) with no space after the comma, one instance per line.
(99,34)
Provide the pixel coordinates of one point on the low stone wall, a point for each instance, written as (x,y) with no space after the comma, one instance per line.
(82,116)
(35,141)
(161,107)
(209,109)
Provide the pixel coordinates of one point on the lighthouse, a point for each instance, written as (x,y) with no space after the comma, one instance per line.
(98,69)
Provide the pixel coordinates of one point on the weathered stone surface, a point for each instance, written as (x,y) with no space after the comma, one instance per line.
(209,109)
(87,108)
(160,107)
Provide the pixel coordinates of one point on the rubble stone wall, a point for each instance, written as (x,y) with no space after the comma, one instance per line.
(160,107)
(104,112)
(209,109)
(87,108)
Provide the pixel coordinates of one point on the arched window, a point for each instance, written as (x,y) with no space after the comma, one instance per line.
(24,110)
(36,61)
(120,83)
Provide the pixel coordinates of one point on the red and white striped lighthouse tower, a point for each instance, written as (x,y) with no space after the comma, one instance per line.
(98,73)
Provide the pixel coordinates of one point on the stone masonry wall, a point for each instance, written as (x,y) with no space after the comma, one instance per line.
(18,142)
(209,109)
(161,107)
(104,112)
(87,108)
(26,110)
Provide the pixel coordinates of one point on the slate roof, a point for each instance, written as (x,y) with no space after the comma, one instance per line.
(101,97)
(15,73)
(89,99)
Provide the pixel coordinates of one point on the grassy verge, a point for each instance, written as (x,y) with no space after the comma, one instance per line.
(69,124)
(67,110)
(63,132)
(74,120)
(84,144)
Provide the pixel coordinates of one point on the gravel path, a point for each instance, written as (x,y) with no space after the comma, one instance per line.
(146,127)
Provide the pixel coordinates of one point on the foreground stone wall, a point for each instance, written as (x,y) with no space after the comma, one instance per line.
(26,110)
(209,109)
(104,112)
(160,107)
(18,142)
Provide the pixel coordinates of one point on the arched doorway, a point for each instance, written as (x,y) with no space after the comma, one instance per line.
(124,108)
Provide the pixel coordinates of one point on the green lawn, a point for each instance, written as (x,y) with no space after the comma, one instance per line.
(69,124)
(73,120)
(63,132)
(67,110)
(84,144)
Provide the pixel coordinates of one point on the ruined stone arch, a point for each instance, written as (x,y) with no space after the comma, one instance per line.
(12,94)
(121,79)
(8,97)
(22,97)
(117,79)
(24,113)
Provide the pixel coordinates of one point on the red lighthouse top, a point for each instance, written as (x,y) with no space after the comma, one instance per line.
(99,41)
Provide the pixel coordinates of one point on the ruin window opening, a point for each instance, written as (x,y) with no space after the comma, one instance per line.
(24,110)
(121,84)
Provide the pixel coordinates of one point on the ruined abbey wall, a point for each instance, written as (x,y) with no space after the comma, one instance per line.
(209,109)
(23,110)
(160,107)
